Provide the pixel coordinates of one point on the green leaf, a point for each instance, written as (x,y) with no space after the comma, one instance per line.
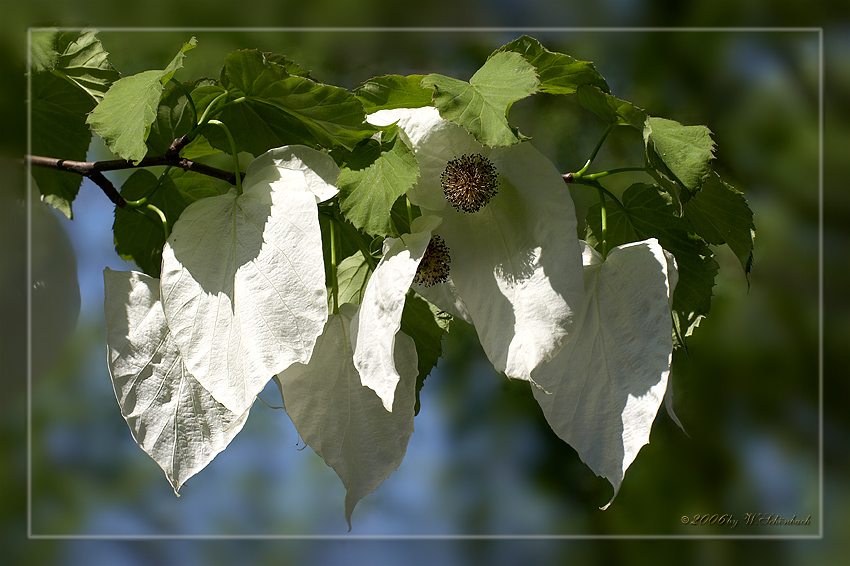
(682,152)
(79,58)
(124,116)
(650,213)
(720,214)
(481,105)
(173,117)
(177,62)
(370,185)
(282,109)
(393,91)
(140,238)
(610,108)
(59,130)
(558,73)
(352,276)
(426,324)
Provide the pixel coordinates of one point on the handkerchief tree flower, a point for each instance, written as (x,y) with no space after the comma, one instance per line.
(365,222)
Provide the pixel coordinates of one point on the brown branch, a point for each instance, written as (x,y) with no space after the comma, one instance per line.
(94,169)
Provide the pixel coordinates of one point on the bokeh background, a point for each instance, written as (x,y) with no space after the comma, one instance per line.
(482,462)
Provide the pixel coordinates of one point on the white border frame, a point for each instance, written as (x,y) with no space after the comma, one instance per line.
(819,536)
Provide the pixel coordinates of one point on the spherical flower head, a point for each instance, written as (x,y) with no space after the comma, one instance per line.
(469,182)
(434,267)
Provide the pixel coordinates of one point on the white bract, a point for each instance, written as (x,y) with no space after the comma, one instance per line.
(243,275)
(379,317)
(345,422)
(171,416)
(516,263)
(603,390)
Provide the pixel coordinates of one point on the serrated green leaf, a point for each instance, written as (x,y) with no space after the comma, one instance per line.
(43,54)
(426,324)
(140,238)
(683,152)
(367,193)
(481,105)
(558,73)
(177,62)
(59,130)
(124,116)
(284,109)
(720,214)
(610,108)
(393,91)
(650,213)
(79,58)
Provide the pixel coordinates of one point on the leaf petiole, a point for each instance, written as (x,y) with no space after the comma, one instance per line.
(334,281)
(596,149)
(233,151)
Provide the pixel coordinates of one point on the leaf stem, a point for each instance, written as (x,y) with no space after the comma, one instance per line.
(409,213)
(607,131)
(334,281)
(601,174)
(233,151)
(604,214)
(166,229)
(144,200)
(205,116)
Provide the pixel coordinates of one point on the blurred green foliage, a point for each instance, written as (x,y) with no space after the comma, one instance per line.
(747,390)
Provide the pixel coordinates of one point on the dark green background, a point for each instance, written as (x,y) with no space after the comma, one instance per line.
(748,394)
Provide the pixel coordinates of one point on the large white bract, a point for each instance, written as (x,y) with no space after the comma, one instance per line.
(171,416)
(243,275)
(603,390)
(345,422)
(516,263)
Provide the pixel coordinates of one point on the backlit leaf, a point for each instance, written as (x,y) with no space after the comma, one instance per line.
(393,91)
(558,73)
(682,152)
(124,117)
(368,191)
(77,57)
(481,105)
